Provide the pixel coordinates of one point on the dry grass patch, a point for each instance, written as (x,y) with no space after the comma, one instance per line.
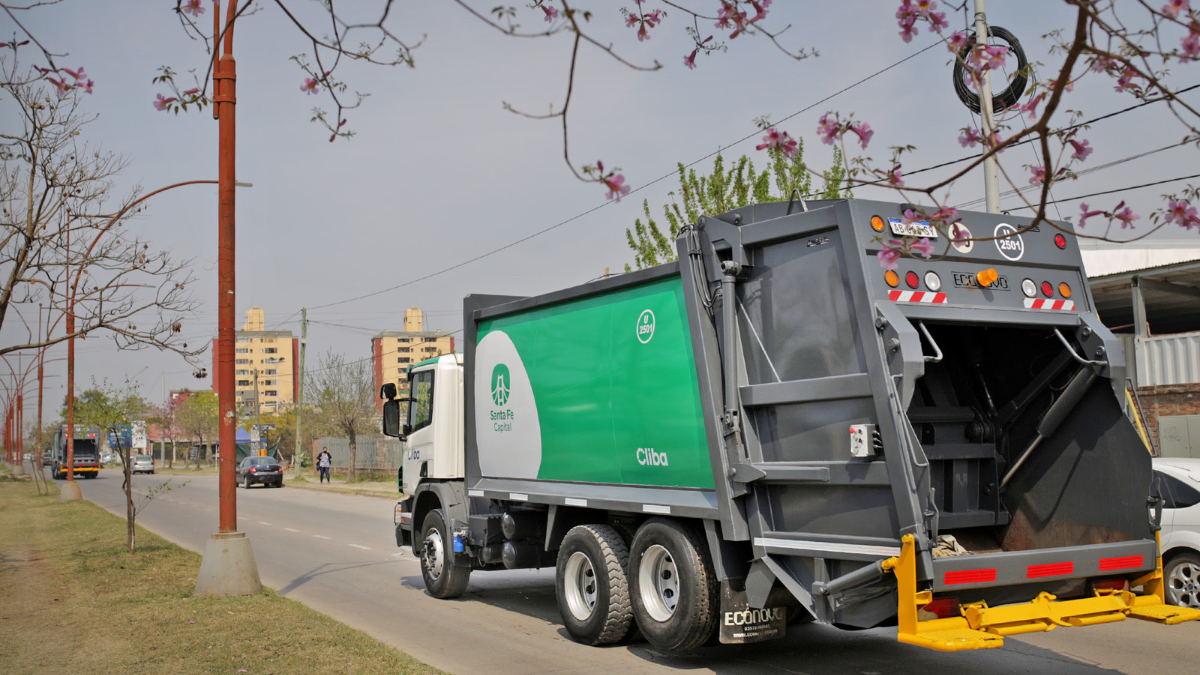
(72,601)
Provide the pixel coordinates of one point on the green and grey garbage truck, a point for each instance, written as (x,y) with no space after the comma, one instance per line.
(778,428)
(84,450)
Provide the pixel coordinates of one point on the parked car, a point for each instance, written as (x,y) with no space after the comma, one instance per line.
(109,458)
(1178,481)
(142,464)
(265,470)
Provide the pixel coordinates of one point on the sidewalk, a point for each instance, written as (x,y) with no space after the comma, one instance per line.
(380,489)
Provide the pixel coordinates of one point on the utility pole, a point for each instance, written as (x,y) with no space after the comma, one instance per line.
(298,456)
(991,169)
(228,567)
(70,489)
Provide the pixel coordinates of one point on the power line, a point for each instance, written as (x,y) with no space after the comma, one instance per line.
(1108,192)
(634,191)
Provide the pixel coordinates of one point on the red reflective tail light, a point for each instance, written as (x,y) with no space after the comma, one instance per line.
(944,608)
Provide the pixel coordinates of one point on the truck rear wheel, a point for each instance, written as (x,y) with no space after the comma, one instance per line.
(591,585)
(442,577)
(674,586)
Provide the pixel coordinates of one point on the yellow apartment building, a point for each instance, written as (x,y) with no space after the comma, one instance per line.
(266,364)
(396,350)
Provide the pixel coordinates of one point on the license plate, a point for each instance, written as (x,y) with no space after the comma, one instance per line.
(920,228)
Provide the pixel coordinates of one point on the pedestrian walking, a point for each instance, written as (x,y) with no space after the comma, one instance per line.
(324,461)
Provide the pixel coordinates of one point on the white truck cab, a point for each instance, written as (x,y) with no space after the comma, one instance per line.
(433,447)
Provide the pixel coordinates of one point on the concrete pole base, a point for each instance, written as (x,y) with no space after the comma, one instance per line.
(18,470)
(70,492)
(228,567)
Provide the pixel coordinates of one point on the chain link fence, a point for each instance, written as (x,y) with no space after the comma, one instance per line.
(375,453)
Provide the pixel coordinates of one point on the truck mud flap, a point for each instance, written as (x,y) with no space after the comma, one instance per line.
(984,627)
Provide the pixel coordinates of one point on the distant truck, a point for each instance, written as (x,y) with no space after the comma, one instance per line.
(777,428)
(84,449)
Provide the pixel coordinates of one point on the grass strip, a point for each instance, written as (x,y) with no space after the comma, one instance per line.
(73,601)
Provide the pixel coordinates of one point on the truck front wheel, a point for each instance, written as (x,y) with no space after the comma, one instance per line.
(591,585)
(442,577)
(674,586)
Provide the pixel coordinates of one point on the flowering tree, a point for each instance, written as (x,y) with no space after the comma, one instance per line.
(1132,46)
(59,237)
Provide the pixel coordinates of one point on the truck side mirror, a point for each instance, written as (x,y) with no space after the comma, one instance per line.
(388,391)
(391,419)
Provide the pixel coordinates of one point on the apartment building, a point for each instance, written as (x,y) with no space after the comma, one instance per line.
(265,364)
(396,350)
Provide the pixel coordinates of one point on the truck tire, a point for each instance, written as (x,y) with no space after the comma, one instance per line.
(1182,578)
(674,586)
(442,577)
(591,585)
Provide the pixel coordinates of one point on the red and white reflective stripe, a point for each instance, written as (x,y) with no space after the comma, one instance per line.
(1039,303)
(917,296)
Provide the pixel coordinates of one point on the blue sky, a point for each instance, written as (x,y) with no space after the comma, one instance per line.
(439,173)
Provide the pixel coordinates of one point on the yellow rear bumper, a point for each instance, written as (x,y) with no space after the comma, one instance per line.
(983,627)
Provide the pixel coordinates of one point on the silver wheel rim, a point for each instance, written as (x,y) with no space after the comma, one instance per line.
(658,583)
(579,582)
(432,554)
(1183,585)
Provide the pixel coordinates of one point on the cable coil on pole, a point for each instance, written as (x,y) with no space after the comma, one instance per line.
(1005,99)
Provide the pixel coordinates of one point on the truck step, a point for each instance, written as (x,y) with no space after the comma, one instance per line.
(951,635)
(1165,614)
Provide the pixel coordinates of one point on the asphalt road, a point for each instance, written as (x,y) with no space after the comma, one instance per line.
(338,555)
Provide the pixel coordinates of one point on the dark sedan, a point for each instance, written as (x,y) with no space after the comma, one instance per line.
(265,470)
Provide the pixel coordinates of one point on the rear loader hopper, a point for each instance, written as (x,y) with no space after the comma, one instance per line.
(778,428)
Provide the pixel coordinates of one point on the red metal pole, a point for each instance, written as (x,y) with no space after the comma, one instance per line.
(70,373)
(225,100)
(20,444)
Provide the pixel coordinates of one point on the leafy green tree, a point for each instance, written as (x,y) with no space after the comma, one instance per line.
(199,418)
(724,190)
(115,409)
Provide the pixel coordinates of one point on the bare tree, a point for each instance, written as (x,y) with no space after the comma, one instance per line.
(344,397)
(64,239)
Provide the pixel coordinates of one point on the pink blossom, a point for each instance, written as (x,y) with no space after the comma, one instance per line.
(781,141)
(937,21)
(653,18)
(1174,8)
(162,103)
(1081,149)
(828,128)
(911,217)
(924,248)
(193,7)
(1084,214)
(1126,215)
(1039,175)
(988,57)
(631,20)
(1031,105)
(87,86)
(642,33)
(1191,44)
(551,12)
(969,137)
(193,90)
(616,186)
(946,214)
(906,18)
(958,233)
(1102,64)
(956,42)
(888,256)
(894,177)
(1182,213)
(310,86)
(1127,81)
(864,132)
(690,59)
(77,74)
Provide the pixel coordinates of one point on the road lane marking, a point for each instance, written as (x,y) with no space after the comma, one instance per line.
(321,537)
(365,548)
(263,523)
(290,529)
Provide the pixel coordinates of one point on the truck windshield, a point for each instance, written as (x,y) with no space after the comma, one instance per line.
(422,407)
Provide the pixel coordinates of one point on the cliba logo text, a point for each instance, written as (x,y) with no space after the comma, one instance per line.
(651,457)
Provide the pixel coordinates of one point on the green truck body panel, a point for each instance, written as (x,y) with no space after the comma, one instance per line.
(612,392)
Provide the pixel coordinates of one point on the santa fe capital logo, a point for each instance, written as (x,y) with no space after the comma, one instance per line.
(500,384)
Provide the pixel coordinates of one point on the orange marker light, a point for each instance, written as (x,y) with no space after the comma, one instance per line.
(1064,290)
(987,277)
(877,223)
(891,278)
